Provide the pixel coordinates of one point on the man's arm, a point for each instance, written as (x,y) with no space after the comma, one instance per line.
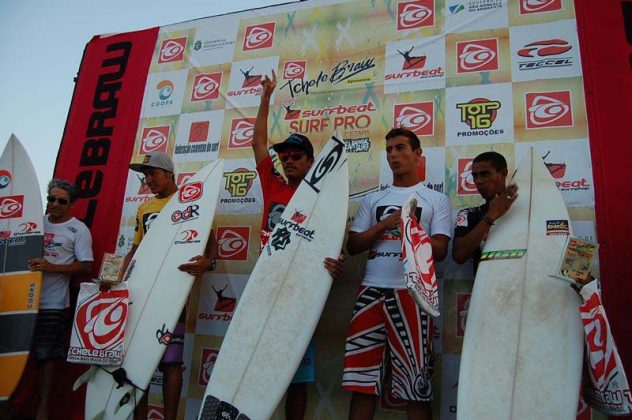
(439,246)
(361,241)
(72,269)
(126,261)
(260,136)
(463,247)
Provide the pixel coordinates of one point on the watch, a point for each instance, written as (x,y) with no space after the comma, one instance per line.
(213,264)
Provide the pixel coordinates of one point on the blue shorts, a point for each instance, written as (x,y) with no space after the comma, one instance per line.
(306,371)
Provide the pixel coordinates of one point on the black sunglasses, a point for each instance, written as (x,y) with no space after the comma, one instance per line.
(284,156)
(51,199)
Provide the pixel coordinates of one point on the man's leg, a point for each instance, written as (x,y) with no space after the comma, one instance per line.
(171,389)
(296,401)
(141,410)
(419,410)
(362,406)
(44,387)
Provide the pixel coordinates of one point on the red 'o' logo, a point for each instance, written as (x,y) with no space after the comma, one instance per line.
(259,36)
(11,206)
(190,192)
(101,320)
(231,243)
(414,14)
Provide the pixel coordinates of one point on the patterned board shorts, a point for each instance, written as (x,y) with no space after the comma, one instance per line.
(49,339)
(389,318)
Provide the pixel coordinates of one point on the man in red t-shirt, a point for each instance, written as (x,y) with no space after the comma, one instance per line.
(297,156)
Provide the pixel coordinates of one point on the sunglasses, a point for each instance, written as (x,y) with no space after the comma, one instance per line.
(285,156)
(51,199)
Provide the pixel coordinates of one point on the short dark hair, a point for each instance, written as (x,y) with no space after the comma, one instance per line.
(412,137)
(62,184)
(498,161)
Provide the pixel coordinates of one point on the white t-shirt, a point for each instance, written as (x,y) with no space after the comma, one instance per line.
(64,243)
(434,213)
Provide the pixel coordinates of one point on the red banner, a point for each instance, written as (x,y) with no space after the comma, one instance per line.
(606,43)
(101,128)
(94,153)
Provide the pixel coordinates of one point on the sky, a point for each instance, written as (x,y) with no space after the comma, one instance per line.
(41,45)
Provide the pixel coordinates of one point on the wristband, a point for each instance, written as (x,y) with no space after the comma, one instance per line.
(487,220)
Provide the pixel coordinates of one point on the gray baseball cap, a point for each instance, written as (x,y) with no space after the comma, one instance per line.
(158,160)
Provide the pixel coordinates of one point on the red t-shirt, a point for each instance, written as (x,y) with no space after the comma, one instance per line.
(276,194)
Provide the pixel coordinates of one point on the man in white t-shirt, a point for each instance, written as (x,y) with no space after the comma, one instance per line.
(67,252)
(385,315)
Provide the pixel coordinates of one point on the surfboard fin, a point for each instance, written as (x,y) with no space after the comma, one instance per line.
(85,377)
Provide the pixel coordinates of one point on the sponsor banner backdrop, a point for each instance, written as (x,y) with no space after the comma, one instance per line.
(466,77)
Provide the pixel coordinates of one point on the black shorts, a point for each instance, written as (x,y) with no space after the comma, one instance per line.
(49,340)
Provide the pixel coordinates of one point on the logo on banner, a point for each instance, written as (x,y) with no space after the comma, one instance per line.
(539,6)
(183,178)
(155,413)
(165,89)
(557,169)
(549,109)
(239,181)
(241,132)
(291,114)
(232,243)
(412,66)
(207,362)
(172,50)
(465,180)
(295,69)
(417,117)
(415,14)
(11,206)
(5,178)
(154,139)
(250,80)
(462,309)
(259,36)
(199,131)
(206,86)
(546,54)
(478,55)
(479,114)
(190,192)
(101,320)
(224,306)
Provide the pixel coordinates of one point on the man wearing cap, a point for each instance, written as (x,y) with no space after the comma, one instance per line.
(489,173)
(296,154)
(157,168)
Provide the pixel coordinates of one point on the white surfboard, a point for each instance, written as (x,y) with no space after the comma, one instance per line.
(522,351)
(158,292)
(21,238)
(286,292)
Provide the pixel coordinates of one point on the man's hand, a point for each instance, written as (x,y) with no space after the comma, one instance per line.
(392,221)
(335,266)
(197,266)
(499,205)
(268,84)
(39,264)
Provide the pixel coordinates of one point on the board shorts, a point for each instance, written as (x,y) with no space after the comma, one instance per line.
(306,371)
(389,318)
(173,354)
(49,339)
